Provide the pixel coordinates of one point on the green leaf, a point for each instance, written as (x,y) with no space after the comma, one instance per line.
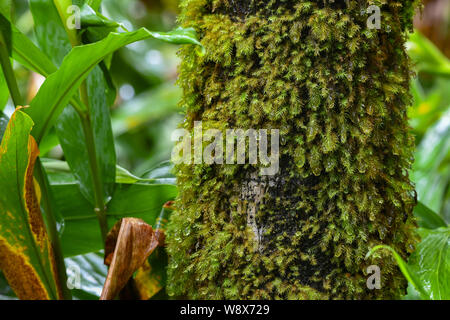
(5,8)
(95,4)
(412,293)
(125,176)
(431,262)
(5,61)
(162,172)
(26,255)
(49,30)
(81,233)
(427,57)
(95,26)
(404,267)
(49,142)
(72,138)
(92,18)
(428,268)
(60,173)
(431,170)
(427,218)
(69,127)
(89,272)
(56,91)
(30,56)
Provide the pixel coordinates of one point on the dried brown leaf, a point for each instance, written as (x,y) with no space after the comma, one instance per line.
(127,247)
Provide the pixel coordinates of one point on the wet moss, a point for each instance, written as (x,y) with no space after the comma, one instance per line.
(338,93)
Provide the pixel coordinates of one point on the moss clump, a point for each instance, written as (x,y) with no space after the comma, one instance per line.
(338,93)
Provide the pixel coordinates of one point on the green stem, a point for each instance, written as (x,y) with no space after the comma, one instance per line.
(100,205)
(8,72)
(50,219)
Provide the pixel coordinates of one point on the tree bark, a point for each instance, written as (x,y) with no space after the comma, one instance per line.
(338,93)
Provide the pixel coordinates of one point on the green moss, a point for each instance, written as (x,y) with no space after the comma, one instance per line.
(338,92)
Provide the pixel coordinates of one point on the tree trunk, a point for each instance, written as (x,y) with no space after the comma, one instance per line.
(338,92)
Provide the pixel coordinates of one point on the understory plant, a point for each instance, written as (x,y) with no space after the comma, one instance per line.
(52,209)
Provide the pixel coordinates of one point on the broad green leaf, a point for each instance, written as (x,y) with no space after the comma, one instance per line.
(60,173)
(5,8)
(7,72)
(72,138)
(49,30)
(56,91)
(86,274)
(431,170)
(427,218)
(404,267)
(92,18)
(125,176)
(29,55)
(26,255)
(95,4)
(49,142)
(162,172)
(428,268)
(433,149)
(26,53)
(431,262)
(95,27)
(411,293)
(81,233)
(69,126)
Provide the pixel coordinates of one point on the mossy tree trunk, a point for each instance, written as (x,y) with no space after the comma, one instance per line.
(338,93)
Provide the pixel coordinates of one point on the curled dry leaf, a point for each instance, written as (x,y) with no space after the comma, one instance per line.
(127,247)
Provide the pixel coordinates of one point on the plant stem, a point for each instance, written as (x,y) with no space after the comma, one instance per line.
(85,116)
(100,206)
(50,219)
(8,72)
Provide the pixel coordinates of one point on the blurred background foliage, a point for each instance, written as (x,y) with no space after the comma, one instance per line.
(429,48)
(146,109)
